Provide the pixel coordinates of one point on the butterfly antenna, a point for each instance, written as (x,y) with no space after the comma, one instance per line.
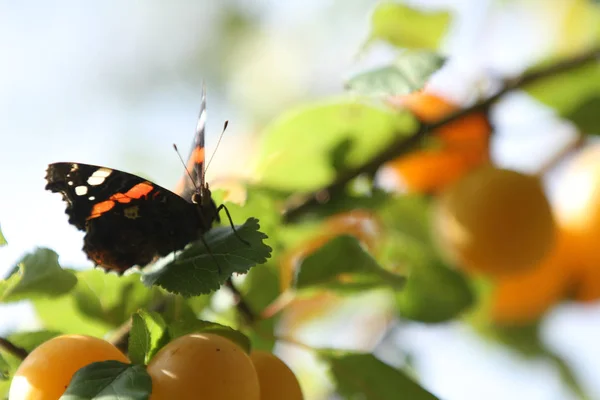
(184,166)
(217,146)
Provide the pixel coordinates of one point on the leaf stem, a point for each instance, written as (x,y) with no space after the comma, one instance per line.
(11,348)
(405,144)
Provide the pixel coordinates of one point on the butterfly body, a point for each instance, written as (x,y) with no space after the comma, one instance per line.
(129,220)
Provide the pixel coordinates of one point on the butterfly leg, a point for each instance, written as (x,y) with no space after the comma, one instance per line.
(211,254)
(222,207)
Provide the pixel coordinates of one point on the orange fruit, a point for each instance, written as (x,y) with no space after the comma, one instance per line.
(525,296)
(277,381)
(461,145)
(203,366)
(423,171)
(494,221)
(47,371)
(577,209)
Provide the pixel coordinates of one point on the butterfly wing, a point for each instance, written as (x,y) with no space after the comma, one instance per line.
(193,179)
(128,220)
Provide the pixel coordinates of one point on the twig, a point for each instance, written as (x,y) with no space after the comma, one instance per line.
(405,144)
(241,305)
(120,337)
(10,348)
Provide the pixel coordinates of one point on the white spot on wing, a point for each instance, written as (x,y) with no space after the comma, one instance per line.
(81,190)
(99,176)
(92,198)
(70,183)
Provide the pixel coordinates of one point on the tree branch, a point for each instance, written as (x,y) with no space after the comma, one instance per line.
(241,305)
(10,348)
(406,144)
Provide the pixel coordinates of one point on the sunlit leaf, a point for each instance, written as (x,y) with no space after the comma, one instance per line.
(407,74)
(406,27)
(148,334)
(362,376)
(586,116)
(565,92)
(111,298)
(39,275)
(434,293)
(195,271)
(343,264)
(298,149)
(109,380)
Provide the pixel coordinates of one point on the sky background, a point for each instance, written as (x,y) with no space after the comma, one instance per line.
(116,83)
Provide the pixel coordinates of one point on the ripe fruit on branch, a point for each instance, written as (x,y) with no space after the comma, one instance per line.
(203,366)
(277,381)
(494,221)
(459,147)
(46,372)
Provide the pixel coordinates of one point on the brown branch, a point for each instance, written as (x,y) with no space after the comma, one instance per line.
(406,144)
(241,305)
(10,348)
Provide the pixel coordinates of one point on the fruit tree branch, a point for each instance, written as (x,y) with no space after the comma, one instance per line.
(10,348)
(405,144)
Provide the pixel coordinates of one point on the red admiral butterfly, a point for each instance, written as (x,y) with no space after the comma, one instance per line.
(129,220)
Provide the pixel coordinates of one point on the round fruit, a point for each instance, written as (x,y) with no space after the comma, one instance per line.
(577,209)
(525,297)
(495,221)
(47,370)
(277,381)
(203,366)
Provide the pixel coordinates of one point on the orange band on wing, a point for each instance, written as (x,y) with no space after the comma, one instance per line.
(136,192)
(101,208)
(139,190)
(198,155)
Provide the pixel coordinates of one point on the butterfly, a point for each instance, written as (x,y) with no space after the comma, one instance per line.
(129,220)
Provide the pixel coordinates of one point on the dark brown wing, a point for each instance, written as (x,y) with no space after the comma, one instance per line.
(128,220)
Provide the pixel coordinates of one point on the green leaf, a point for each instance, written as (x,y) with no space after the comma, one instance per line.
(586,117)
(182,328)
(4,369)
(260,288)
(298,149)
(195,272)
(148,334)
(343,264)
(63,314)
(407,74)
(3,241)
(99,302)
(403,26)
(32,339)
(111,298)
(109,380)
(434,293)
(362,376)
(565,92)
(39,275)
